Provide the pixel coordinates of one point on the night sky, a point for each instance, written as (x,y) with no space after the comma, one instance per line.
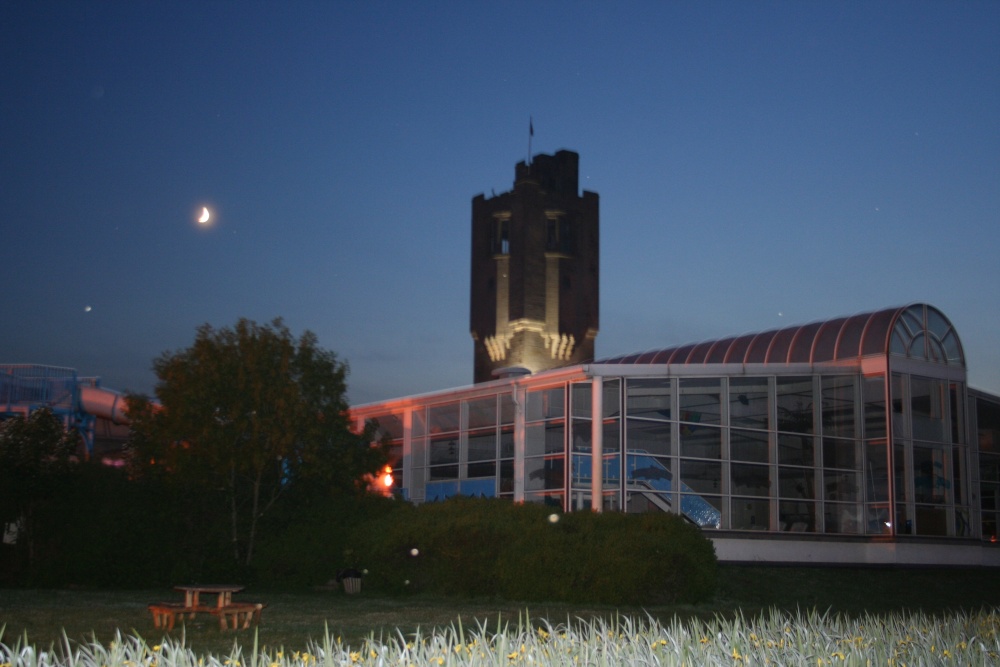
(759,164)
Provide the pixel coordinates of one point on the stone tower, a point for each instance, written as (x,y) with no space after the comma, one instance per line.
(534,288)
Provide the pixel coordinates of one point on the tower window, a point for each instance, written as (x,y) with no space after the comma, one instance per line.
(501,236)
(558,236)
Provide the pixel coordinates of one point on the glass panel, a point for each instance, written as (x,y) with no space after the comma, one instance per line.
(650,437)
(952,348)
(419,423)
(544,473)
(797,516)
(956,395)
(842,518)
(876,473)
(748,402)
(900,423)
(841,486)
(987,425)
(545,404)
(703,442)
(795,404)
(506,477)
(931,520)
(507,410)
(874,397)
(444,418)
(444,449)
(839,453)
(478,488)
(750,514)
(795,449)
(483,412)
(957,471)
(930,475)
(703,511)
(838,406)
(612,437)
(701,476)
(899,473)
(483,469)
(649,398)
(389,425)
(547,498)
(483,445)
(443,472)
(507,442)
(927,409)
(936,323)
(796,483)
(582,435)
(544,438)
(750,480)
(749,446)
(580,399)
(700,401)
(639,503)
(418,450)
(612,398)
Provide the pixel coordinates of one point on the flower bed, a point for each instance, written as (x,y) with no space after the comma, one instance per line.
(776,639)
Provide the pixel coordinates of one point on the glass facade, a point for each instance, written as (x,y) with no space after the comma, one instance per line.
(858,442)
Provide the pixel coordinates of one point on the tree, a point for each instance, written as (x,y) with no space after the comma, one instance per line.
(250,413)
(35,456)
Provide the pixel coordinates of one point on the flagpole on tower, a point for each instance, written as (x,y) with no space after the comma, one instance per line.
(531,133)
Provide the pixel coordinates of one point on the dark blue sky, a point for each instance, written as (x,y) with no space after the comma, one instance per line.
(759,165)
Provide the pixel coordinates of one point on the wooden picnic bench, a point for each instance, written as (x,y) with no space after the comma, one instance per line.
(231,615)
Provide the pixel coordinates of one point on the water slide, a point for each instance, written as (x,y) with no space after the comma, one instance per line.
(104,404)
(649,476)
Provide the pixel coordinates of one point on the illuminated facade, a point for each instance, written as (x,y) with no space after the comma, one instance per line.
(534,296)
(852,440)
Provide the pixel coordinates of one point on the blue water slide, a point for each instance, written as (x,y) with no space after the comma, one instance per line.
(647,472)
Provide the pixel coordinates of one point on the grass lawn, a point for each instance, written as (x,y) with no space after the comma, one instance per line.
(291,619)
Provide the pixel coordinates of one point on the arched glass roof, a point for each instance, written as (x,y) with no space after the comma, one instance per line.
(917,331)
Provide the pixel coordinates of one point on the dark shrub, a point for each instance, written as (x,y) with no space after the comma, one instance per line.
(486,547)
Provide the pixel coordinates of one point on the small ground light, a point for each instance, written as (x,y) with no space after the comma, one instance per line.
(414,552)
(553,518)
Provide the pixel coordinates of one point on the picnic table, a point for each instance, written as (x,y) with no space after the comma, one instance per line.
(231,615)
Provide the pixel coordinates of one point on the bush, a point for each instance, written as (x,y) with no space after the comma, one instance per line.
(491,547)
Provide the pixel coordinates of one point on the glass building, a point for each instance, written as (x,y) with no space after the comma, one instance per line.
(852,440)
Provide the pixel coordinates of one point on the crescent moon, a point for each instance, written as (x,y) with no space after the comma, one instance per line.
(205,215)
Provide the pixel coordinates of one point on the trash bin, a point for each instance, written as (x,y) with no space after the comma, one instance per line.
(351,579)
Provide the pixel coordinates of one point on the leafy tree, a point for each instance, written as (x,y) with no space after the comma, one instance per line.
(35,456)
(250,413)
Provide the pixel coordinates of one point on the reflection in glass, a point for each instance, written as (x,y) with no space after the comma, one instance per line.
(796,483)
(749,446)
(649,398)
(795,404)
(841,486)
(750,480)
(797,516)
(750,514)
(543,438)
(700,402)
(838,406)
(544,473)
(842,518)
(748,402)
(703,442)
(647,436)
(839,453)
(795,449)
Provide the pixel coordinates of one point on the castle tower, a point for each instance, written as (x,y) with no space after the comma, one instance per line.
(534,288)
